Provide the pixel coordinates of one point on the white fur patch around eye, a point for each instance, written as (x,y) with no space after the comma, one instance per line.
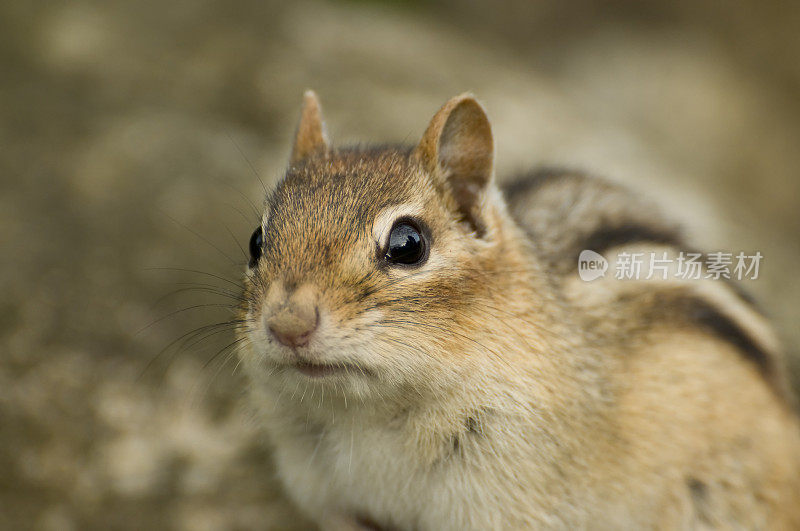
(382,226)
(385,219)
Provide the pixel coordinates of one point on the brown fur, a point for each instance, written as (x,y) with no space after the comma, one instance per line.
(310,138)
(489,388)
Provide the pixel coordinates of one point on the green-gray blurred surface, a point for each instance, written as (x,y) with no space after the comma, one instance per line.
(125,134)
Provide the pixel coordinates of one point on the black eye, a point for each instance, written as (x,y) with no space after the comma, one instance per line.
(256,246)
(406,245)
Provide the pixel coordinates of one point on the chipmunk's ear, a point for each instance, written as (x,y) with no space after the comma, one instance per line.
(310,138)
(458,146)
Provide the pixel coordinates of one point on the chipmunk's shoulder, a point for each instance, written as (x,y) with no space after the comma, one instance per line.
(565,213)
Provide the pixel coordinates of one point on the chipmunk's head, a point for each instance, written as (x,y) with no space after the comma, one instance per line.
(372,267)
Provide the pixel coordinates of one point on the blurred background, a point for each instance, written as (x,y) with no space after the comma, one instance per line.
(131,137)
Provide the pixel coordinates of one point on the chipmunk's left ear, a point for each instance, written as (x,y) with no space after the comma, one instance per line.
(458,146)
(310,137)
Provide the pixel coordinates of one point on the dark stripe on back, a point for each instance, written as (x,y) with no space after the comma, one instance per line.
(725,328)
(700,313)
(529,183)
(629,221)
(606,238)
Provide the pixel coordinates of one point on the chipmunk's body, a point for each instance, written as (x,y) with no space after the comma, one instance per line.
(424,355)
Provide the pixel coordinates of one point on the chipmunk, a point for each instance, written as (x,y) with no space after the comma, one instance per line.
(424,356)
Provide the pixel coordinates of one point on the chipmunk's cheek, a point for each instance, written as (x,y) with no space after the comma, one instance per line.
(257,340)
(341,333)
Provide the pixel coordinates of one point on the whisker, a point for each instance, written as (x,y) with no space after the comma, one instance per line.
(449,330)
(199,288)
(244,254)
(252,168)
(256,211)
(185,270)
(176,312)
(223,349)
(186,337)
(203,238)
(232,348)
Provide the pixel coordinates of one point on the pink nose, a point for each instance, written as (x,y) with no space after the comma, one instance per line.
(294,328)
(296,317)
(292,338)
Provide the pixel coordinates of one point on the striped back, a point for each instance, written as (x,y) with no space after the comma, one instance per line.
(565,213)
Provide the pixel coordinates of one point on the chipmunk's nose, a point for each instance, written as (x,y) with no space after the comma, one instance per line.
(295,322)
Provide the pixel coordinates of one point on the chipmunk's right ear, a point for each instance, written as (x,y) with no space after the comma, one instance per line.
(458,147)
(310,138)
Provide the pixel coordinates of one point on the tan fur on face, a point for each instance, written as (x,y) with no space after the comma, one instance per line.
(487,388)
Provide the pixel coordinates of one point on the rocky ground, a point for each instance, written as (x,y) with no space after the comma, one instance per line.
(127,135)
